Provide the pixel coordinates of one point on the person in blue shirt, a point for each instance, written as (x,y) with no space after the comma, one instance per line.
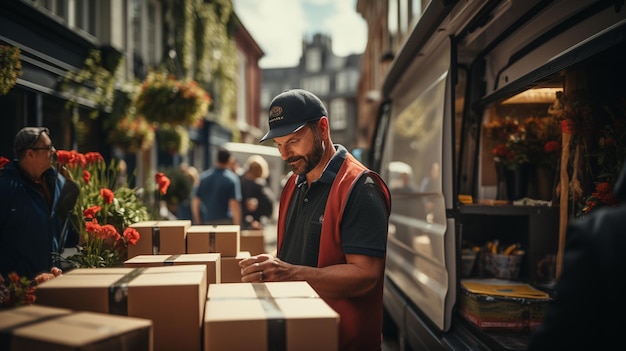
(219,192)
(36,201)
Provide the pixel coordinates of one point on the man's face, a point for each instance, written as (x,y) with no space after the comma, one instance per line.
(302,150)
(43,152)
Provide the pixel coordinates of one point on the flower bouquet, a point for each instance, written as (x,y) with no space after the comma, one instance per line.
(18,291)
(103,211)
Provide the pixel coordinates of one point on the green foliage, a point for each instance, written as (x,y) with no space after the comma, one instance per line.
(180,186)
(95,81)
(10,67)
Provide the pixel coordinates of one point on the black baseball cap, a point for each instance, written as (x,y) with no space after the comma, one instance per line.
(291,110)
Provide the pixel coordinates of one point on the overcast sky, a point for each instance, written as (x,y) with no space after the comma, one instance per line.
(279,26)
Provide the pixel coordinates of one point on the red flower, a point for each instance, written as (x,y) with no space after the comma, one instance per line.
(107,195)
(3,161)
(91,211)
(86,176)
(500,150)
(93,157)
(552,146)
(109,231)
(131,235)
(163,181)
(71,158)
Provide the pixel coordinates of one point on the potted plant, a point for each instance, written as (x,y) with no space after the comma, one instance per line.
(165,100)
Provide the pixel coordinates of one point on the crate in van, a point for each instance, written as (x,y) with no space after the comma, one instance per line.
(493,304)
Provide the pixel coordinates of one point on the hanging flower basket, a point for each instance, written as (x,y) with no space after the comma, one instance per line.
(164,99)
(132,133)
(172,139)
(10,67)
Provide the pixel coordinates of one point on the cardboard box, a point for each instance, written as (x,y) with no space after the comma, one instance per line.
(252,241)
(173,297)
(275,315)
(47,328)
(213,238)
(502,305)
(211,260)
(160,238)
(231,272)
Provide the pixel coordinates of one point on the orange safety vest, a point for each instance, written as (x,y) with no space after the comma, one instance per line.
(361,317)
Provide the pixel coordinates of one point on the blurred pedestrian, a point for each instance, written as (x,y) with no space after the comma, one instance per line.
(257,199)
(220,192)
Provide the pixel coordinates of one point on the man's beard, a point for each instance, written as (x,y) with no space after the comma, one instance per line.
(311,160)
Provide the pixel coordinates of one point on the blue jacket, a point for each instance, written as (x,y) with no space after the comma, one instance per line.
(29,227)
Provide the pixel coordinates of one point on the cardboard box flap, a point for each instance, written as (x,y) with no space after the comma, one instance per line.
(225,228)
(262,290)
(504,288)
(85,328)
(15,317)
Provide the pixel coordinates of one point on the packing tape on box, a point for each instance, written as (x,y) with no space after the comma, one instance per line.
(276,324)
(170,260)
(118,292)
(212,247)
(156,240)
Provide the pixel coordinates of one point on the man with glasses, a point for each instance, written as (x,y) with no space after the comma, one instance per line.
(36,200)
(332,221)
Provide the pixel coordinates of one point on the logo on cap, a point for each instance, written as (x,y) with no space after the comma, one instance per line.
(276,114)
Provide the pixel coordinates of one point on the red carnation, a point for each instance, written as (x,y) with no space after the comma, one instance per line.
(163,181)
(91,211)
(86,176)
(93,157)
(131,235)
(107,195)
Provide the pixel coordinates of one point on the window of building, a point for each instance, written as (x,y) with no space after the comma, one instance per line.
(56,8)
(338,114)
(341,82)
(319,85)
(392,17)
(85,16)
(313,60)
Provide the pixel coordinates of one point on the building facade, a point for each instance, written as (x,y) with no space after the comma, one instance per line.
(57,38)
(332,78)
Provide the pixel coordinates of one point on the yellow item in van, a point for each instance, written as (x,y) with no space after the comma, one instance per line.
(504,289)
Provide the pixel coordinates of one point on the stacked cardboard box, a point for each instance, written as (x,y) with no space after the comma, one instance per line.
(231,272)
(253,241)
(275,316)
(37,327)
(211,260)
(172,297)
(213,238)
(160,237)
(224,239)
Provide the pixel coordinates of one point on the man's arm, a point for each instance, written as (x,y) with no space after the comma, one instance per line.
(355,278)
(235,209)
(195,210)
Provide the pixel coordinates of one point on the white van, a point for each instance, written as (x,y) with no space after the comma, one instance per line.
(464,66)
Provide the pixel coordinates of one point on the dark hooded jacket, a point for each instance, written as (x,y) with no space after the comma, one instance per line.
(589,295)
(29,227)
